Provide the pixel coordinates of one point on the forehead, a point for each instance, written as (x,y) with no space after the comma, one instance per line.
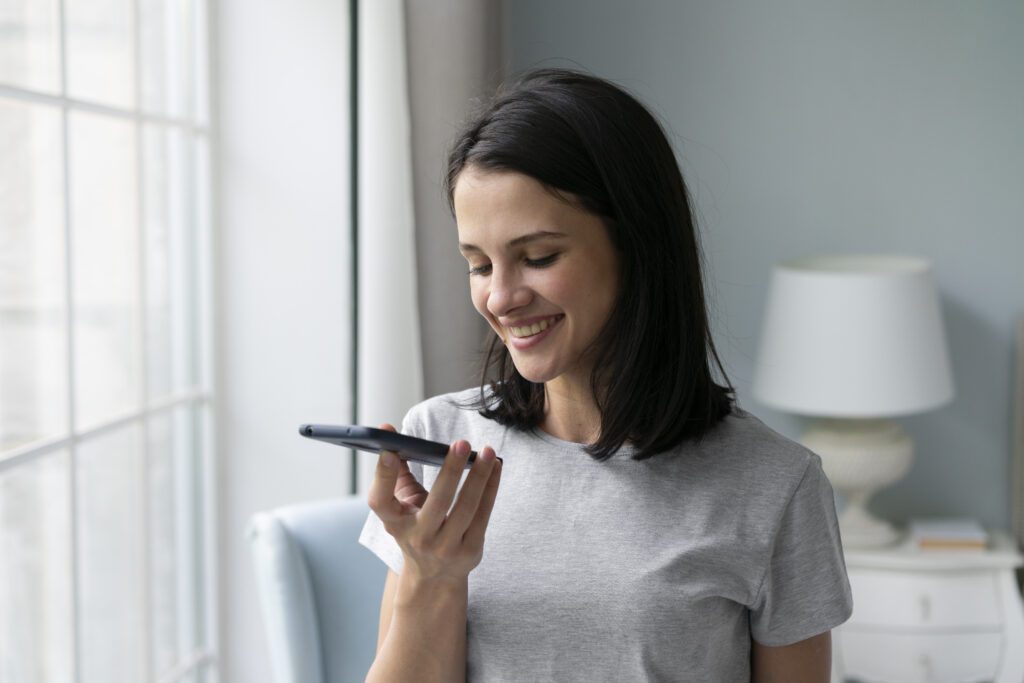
(494,207)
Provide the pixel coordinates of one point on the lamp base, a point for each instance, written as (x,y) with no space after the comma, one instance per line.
(861,529)
(860,457)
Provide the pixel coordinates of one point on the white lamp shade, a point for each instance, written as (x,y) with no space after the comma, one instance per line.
(853,336)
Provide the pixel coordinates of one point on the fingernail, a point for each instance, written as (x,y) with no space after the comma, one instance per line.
(389,459)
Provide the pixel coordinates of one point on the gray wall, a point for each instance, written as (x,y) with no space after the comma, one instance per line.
(809,128)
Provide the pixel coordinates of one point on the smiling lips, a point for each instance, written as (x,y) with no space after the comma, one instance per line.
(526,337)
(536,328)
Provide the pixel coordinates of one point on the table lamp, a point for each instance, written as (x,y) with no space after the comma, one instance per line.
(853,341)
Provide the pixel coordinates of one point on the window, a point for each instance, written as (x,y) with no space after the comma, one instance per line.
(106,441)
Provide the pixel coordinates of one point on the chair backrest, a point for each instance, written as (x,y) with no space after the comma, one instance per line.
(319,590)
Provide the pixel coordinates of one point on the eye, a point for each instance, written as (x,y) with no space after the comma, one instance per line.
(542,262)
(533,263)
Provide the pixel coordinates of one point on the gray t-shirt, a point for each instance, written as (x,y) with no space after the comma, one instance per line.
(653,570)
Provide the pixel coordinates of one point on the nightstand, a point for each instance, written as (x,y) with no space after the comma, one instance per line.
(932,616)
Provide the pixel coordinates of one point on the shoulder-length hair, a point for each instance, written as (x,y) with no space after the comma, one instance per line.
(582,135)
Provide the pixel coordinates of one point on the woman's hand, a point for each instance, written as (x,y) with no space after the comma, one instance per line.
(437,545)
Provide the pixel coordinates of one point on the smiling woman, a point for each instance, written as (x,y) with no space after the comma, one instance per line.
(646,527)
(546,294)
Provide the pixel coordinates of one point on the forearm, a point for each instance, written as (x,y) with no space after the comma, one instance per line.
(806,661)
(426,639)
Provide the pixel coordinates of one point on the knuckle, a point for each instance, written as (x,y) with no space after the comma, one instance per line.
(375,501)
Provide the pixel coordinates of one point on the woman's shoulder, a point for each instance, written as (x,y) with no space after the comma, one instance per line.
(744,440)
(451,402)
(443,412)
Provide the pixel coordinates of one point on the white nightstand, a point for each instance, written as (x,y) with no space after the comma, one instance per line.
(932,616)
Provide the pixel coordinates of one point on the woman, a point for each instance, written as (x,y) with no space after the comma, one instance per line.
(647,528)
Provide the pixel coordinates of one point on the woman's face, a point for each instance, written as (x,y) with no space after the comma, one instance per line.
(522,280)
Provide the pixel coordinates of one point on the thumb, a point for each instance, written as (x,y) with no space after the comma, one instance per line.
(388,459)
(382,489)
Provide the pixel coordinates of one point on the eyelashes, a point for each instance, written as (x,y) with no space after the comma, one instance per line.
(533,263)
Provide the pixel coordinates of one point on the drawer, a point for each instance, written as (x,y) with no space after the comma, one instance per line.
(953,599)
(913,658)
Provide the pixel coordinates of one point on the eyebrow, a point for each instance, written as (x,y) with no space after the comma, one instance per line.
(522,239)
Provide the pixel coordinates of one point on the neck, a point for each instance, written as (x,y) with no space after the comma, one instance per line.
(570,412)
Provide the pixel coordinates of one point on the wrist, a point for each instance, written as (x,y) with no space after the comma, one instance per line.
(419,592)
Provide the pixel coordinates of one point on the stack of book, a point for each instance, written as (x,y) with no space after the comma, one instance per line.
(946,533)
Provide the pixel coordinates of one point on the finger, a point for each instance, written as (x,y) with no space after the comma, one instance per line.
(443,491)
(408,490)
(465,508)
(474,535)
(381,497)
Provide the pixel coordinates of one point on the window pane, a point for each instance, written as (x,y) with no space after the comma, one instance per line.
(200,68)
(29,47)
(33,340)
(99,47)
(204,272)
(174,539)
(104,267)
(170,266)
(166,28)
(35,584)
(199,455)
(110,570)
(163,550)
(203,464)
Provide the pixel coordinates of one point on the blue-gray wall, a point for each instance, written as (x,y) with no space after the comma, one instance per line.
(808,127)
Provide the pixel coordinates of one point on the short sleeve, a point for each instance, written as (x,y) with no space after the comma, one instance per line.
(374,536)
(805,590)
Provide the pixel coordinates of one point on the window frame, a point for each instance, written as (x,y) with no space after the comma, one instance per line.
(202,662)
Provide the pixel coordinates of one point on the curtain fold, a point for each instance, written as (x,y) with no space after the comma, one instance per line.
(454,57)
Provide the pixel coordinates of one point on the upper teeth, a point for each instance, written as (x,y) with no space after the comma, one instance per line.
(533,329)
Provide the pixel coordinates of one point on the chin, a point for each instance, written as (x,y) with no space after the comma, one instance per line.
(536,375)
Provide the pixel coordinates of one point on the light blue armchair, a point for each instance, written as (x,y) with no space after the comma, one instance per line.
(319,590)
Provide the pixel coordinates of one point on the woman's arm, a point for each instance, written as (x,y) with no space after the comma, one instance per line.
(423,631)
(808,661)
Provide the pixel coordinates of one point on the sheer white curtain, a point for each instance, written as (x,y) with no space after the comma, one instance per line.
(422,65)
(390,361)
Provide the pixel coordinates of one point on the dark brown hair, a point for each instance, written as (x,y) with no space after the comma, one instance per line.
(585,136)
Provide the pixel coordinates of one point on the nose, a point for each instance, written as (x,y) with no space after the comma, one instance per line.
(506,292)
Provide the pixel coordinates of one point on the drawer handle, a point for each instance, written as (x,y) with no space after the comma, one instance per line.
(926,607)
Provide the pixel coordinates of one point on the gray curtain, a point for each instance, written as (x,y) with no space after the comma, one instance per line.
(454,56)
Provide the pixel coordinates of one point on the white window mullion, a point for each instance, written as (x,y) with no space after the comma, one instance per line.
(69,321)
(38,449)
(24,95)
(191,563)
(144,465)
(206,209)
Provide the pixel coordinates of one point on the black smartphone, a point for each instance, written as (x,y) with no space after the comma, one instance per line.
(376,440)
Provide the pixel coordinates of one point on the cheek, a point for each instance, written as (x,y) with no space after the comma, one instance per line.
(591,294)
(479,297)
